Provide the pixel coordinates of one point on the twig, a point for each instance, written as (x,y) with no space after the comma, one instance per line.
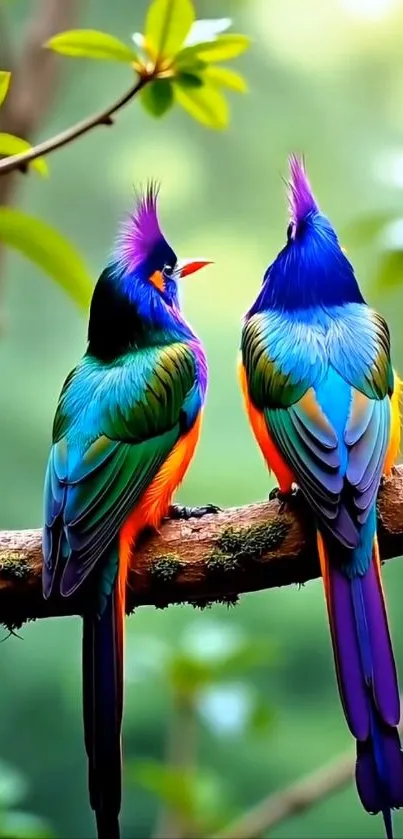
(294,799)
(20,161)
(199,561)
(300,796)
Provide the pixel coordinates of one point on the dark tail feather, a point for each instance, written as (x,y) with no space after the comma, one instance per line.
(367,679)
(103,640)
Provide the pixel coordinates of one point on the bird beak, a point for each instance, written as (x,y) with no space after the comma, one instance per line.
(190,266)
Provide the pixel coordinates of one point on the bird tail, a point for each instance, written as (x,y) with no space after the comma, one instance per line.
(103,651)
(366,673)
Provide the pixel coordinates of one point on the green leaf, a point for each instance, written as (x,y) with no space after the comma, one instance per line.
(207,30)
(9,145)
(187,79)
(198,797)
(205,104)
(390,271)
(173,786)
(362,230)
(43,245)
(168,22)
(89,43)
(222,49)
(224,77)
(157,97)
(5,77)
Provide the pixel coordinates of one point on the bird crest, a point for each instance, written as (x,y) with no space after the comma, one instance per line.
(300,196)
(140,234)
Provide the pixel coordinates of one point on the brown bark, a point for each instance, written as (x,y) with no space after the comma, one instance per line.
(200,560)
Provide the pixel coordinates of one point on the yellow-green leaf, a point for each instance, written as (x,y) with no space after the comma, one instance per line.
(9,145)
(205,104)
(222,49)
(157,97)
(5,77)
(45,246)
(224,77)
(168,22)
(90,43)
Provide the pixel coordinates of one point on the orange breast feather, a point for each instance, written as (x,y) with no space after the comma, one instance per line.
(395,427)
(155,502)
(272,456)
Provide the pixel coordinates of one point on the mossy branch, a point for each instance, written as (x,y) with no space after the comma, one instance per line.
(199,561)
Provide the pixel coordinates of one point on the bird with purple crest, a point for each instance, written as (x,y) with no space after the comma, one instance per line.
(126,428)
(323,402)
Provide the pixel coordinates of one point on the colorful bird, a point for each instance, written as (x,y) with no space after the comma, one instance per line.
(126,428)
(323,402)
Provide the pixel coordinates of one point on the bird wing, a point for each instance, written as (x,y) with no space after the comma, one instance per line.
(326,406)
(114,428)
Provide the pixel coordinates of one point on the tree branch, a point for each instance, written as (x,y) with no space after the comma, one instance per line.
(198,561)
(20,161)
(292,800)
(295,799)
(35,75)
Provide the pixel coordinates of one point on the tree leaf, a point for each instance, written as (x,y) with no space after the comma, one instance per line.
(90,43)
(173,786)
(9,145)
(224,77)
(207,30)
(390,272)
(205,104)
(45,246)
(5,77)
(188,79)
(157,97)
(168,22)
(222,49)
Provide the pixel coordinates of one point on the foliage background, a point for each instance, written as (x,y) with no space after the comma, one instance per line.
(325,79)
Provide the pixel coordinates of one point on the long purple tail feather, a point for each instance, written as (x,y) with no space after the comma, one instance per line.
(367,679)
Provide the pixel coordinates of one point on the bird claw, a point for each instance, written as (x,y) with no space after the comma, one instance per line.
(285,499)
(177,512)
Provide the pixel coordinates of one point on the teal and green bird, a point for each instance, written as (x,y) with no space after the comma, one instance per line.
(323,402)
(126,428)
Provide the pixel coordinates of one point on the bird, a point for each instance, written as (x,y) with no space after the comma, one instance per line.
(125,430)
(322,399)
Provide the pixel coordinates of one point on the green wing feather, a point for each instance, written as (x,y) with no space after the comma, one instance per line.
(323,388)
(113,429)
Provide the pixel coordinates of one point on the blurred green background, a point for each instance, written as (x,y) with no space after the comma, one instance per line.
(326,79)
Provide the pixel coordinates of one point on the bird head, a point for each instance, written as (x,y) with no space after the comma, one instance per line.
(312,268)
(143,255)
(136,295)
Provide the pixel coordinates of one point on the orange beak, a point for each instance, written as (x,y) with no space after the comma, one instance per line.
(190,266)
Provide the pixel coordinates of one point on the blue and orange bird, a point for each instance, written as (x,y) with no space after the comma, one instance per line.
(323,402)
(126,428)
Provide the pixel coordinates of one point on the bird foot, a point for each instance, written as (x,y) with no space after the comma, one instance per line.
(285,499)
(177,512)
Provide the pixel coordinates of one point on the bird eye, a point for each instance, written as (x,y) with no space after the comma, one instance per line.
(168,270)
(290,232)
